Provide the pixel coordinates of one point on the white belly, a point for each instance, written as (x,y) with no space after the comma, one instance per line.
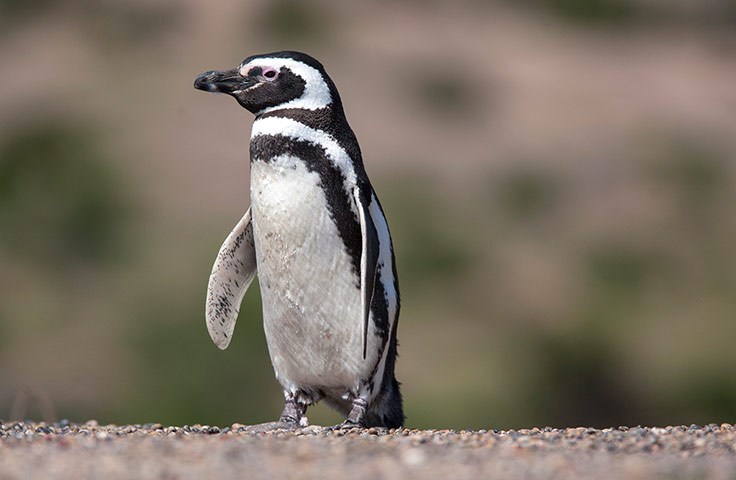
(310,292)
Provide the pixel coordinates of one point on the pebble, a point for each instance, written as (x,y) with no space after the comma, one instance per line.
(427,451)
(312,429)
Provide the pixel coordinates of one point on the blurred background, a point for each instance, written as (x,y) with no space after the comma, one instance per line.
(558,176)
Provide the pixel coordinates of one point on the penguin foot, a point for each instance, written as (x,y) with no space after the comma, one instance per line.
(347,425)
(357,412)
(356,417)
(292,418)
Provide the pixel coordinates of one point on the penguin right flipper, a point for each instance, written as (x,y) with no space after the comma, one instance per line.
(368,259)
(231,276)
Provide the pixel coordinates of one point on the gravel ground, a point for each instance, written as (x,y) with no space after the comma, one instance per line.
(78,451)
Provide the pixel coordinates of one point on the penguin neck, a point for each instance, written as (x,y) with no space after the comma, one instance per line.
(330,120)
(327,118)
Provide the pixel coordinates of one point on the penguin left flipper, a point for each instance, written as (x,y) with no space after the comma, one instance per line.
(368,258)
(231,276)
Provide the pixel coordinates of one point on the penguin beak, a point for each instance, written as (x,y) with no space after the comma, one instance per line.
(226,81)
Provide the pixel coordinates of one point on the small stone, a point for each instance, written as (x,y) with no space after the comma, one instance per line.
(413,457)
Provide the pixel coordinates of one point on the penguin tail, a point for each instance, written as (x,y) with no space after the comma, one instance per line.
(386,410)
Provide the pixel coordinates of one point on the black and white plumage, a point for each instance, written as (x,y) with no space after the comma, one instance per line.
(316,236)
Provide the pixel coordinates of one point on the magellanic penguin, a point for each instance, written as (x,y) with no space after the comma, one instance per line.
(316,236)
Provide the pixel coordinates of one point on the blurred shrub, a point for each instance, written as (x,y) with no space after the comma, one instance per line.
(113,21)
(578,382)
(59,201)
(692,171)
(616,273)
(426,249)
(623,12)
(591,11)
(443,92)
(295,21)
(182,376)
(525,194)
(13,11)
(709,395)
(127,24)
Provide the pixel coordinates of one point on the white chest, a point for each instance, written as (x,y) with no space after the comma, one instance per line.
(310,292)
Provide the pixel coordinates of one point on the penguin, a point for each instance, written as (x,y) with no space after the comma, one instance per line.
(316,236)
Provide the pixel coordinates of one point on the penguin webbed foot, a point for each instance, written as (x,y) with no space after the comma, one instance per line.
(356,417)
(347,425)
(294,413)
(293,417)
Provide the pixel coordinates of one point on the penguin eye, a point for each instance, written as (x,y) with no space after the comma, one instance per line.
(270,73)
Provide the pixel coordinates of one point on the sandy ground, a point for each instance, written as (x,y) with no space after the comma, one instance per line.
(80,451)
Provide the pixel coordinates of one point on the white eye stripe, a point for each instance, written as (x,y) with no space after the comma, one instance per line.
(316,92)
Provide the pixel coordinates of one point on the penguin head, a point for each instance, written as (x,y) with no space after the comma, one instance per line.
(274,81)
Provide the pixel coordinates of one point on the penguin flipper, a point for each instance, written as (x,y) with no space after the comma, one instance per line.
(231,276)
(368,258)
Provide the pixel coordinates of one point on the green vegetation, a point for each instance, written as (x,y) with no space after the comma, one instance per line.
(295,21)
(526,194)
(183,375)
(593,284)
(14,10)
(59,203)
(430,251)
(592,11)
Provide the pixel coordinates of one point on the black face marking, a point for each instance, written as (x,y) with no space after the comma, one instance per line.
(266,147)
(285,88)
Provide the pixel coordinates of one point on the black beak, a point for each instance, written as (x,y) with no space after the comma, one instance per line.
(227,81)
